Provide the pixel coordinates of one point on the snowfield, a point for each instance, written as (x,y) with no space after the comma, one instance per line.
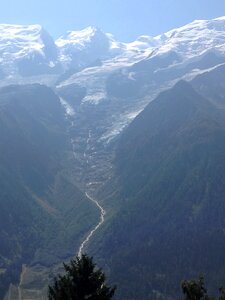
(91,57)
(90,44)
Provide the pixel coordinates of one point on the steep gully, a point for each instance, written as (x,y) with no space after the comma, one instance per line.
(101,209)
(87,187)
(102,219)
(70,114)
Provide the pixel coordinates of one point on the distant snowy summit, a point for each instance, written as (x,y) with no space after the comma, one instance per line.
(30,50)
(194,38)
(187,41)
(92,43)
(88,46)
(26,50)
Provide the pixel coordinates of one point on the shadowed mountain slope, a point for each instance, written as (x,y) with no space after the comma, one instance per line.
(43,215)
(169,183)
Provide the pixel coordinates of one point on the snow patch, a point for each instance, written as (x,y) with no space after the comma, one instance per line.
(95,98)
(68,108)
(119,126)
(76,38)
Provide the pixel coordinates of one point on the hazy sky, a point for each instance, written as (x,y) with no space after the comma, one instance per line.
(126,19)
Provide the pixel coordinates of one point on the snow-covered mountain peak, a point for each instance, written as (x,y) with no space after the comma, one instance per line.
(13,29)
(143,42)
(194,39)
(26,50)
(20,37)
(29,49)
(85,47)
(222,18)
(80,38)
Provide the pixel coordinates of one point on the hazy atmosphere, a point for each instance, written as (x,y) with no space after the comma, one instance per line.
(112,150)
(125,19)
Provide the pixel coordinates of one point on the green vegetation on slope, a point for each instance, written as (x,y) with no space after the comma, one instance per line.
(169,181)
(81,281)
(43,216)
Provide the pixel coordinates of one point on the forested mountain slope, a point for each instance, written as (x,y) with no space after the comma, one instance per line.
(169,181)
(40,207)
(152,160)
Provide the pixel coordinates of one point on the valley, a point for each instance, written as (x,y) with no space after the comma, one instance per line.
(89,185)
(114,149)
(102,219)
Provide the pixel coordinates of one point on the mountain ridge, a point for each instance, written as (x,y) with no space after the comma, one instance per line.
(92,43)
(121,122)
(167,188)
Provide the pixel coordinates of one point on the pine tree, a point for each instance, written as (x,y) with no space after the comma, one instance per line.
(195,289)
(82,281)
(222,292)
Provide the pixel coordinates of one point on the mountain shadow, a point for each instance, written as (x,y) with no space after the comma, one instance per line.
(169,185)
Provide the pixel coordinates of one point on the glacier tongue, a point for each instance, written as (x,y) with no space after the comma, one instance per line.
(150,63)
(105,83)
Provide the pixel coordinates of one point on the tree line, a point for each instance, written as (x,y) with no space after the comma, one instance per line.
(83,280)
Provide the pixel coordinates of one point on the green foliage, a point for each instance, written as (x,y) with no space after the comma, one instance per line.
(169,183)
(81,281)
(195,290)
(222,292)
(39,202)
